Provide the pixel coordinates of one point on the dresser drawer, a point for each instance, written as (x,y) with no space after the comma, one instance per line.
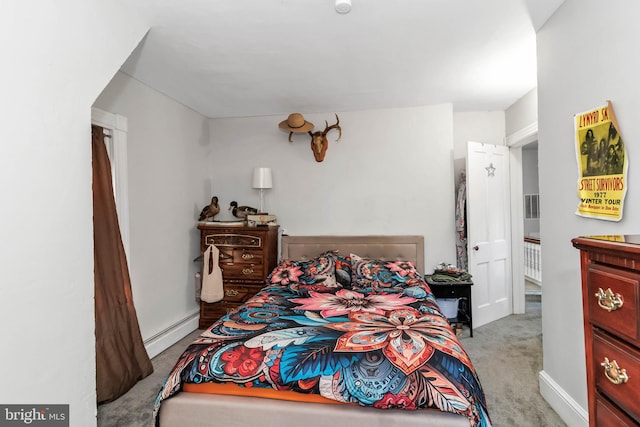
(240,256)
(242,271)
(210,313)
(620,284)
(451,291)
(244,255)
(238,293)
(226,254)
(605,347)
(607,415)
(232,240)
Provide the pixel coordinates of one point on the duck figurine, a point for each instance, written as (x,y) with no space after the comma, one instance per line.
(241,211)
(210,211)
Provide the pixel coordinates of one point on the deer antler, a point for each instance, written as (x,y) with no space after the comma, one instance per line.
(336,126)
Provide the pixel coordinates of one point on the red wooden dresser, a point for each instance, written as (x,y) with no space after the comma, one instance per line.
(610,268)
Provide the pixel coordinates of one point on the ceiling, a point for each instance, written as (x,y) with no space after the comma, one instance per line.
(238,58)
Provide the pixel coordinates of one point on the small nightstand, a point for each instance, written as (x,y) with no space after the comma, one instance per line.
(461,290)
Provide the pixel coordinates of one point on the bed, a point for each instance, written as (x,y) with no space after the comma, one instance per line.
(345,332)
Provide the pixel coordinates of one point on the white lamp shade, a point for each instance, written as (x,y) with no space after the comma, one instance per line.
(262,178)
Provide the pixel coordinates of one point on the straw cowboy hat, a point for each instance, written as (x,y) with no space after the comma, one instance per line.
(296,123)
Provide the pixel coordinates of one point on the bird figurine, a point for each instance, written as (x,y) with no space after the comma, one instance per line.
(241,211)
(211,210)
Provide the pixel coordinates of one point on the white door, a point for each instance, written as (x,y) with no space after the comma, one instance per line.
(489,231)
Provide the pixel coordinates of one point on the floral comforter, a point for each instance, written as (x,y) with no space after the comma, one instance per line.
(350,329)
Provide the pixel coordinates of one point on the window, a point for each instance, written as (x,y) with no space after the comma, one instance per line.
(115,127)
(531,206)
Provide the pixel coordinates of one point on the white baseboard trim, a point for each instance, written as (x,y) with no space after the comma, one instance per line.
(171,335)
(567,408)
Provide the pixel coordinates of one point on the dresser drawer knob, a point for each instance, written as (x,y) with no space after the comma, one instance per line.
(247,256)
(608,300)
(231,292)
(613,372)
(247,271)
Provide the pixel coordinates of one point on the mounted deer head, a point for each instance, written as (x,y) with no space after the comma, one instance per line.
(319,142)
(296,123)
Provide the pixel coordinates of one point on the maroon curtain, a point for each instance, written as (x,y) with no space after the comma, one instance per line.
(121,359)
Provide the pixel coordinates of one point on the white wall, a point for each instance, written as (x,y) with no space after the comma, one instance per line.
(566,87)
(482,126)
(522,113)
(168,144)
(479,126)
(55,64)
(391,173)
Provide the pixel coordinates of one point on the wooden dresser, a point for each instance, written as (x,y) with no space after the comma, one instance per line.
(611,303)
(247,256)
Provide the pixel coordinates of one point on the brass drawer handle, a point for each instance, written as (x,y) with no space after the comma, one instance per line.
(231,293)
(608,301)
(247,271)
(613,372)
(247,256)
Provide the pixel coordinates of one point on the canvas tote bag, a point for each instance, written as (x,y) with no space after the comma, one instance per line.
(212,288)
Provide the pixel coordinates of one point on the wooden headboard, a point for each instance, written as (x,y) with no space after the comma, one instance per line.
(407,248)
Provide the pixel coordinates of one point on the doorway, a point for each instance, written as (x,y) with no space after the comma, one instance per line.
(516,143)
(531,225)
(489,228)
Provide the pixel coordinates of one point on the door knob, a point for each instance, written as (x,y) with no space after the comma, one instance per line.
(476,247)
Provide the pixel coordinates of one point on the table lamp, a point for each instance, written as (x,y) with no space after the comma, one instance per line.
(262,181)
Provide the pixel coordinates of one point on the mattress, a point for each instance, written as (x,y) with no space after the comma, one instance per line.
(202,410)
